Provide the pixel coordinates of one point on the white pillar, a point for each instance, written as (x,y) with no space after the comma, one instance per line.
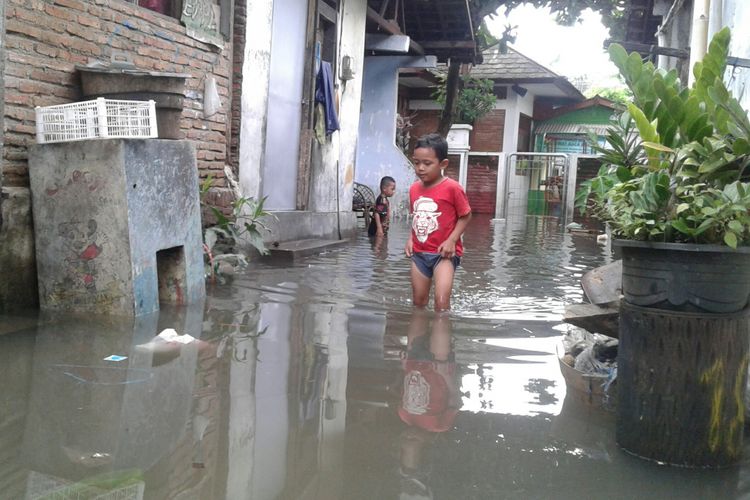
(699,34)
(500,198)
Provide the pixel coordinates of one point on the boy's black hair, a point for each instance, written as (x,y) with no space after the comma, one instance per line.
(386,180)
(435,142)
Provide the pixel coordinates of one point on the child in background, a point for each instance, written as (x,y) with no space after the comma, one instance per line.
(441,213)
(382,216)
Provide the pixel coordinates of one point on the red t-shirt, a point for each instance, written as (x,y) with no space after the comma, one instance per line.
(435,211)
(426,397)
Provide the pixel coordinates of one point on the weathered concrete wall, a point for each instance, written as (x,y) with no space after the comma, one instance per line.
(102,210)
(256,70)
(332,178)
(265,167)
(377,153)
(17,263)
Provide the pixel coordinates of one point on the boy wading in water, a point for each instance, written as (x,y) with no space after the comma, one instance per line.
(381,219)
(441,213)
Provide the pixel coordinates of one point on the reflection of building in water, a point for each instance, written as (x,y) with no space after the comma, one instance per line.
(257,408)
(101,425)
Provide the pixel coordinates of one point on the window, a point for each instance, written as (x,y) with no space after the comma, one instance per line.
(208,16)
(172,8)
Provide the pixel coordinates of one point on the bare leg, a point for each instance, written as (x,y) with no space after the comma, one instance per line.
(443,277)
(441,343)
(420,286)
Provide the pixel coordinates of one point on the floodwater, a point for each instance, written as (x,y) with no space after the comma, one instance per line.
(317,380)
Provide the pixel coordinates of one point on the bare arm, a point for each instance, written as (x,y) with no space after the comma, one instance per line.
(448,247)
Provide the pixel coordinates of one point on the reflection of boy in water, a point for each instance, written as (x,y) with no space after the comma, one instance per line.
(430,398)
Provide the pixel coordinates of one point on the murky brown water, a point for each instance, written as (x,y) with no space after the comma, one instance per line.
(317,380)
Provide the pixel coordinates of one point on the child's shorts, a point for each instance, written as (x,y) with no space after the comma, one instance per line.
(426,262)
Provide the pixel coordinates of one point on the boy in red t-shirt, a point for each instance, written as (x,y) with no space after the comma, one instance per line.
(440,213)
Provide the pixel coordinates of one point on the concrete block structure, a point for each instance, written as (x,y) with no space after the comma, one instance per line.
(117,225)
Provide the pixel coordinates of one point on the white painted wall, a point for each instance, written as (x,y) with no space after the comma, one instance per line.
(353,17)
(284,121)
(254,101)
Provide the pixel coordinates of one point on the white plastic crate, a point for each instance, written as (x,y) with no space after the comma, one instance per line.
(97,119)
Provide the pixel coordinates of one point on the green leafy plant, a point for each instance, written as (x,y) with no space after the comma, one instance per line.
(674,168)
(476,97)
(244,224)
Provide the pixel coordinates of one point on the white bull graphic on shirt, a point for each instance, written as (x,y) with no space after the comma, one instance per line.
(425,218)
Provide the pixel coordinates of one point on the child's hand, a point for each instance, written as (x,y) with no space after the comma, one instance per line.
(409,250)
(380,232)
(447,249)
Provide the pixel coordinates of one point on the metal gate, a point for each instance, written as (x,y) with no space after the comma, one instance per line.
(536,184)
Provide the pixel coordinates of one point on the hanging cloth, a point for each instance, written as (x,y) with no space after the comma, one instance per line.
(324,94)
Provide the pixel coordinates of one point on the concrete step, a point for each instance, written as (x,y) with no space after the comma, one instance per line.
(290,250)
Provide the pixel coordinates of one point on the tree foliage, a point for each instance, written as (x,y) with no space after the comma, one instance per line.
(615,94)
(566,12)
(476,97)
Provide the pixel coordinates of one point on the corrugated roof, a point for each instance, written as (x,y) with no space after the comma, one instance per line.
(570,128)
(511,65)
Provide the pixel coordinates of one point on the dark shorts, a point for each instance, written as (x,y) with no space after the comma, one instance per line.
(426,262)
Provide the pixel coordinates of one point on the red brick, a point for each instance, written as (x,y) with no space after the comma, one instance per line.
(73,4)
(90,21)
(19,113)
(14,98)
(46,50)
(60,13)
(24,28)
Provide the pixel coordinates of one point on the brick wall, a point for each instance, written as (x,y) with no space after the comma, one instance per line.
(481,182)
(487,134)
(425,121)
(238,34)
(47,38)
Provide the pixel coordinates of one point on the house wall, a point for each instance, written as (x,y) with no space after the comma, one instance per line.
(495,132)
(269,134)
(44,42)
(285,95)
(254,95)
(489,132)
(481,180)
(377,153)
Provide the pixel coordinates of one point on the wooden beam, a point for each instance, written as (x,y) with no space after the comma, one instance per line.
(442,44)
(669,52)
(328,12)
(645,48)
(384,7)
(392,28)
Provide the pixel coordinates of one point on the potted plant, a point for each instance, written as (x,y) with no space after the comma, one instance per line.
(674,190)
(674,186)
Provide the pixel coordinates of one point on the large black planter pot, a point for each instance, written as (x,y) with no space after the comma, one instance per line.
(686,277)
(680,385)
